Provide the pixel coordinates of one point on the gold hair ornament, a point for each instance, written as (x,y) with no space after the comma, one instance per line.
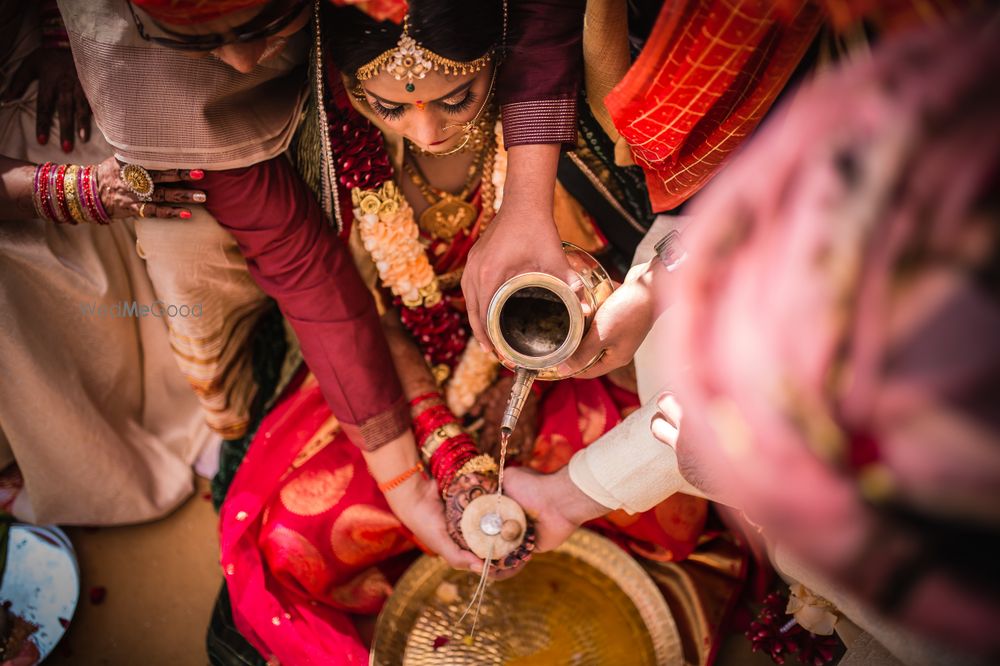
(411,61)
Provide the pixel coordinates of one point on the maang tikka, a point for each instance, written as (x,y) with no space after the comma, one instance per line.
(410,61)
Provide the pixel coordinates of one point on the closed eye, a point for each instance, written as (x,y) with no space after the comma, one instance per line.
(456,107)
(388,112)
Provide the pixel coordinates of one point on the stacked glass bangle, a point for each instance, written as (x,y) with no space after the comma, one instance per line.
(68,194)
(443,444)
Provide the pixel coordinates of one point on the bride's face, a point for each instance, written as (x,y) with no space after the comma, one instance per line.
(432,114)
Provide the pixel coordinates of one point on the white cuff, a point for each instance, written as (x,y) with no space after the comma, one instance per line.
(628,467)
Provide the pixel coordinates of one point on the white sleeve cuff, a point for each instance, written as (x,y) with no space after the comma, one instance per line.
(628,467)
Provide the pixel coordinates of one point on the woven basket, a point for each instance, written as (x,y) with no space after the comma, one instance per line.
(586,603)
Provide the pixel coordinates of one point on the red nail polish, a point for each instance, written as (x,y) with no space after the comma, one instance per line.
(43,139)
(185,215)
(197,174)
(67,146)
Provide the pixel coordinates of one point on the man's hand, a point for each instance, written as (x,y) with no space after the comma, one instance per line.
(58,90)
(553,501)
(521,238)
(619,326)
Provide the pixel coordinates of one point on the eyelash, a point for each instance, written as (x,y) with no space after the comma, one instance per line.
(458,107)
(396,112)
(393,113)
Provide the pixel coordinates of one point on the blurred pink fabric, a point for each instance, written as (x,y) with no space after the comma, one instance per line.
(840,321)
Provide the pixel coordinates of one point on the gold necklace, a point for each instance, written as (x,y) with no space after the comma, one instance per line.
(448,213)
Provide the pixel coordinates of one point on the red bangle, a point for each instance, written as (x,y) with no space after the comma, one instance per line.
(57,191)
(46,192)
(450,457)
(83,191)
(81,194)
(41,193)
(426,396)
(433,415)
(430,420)
(95,196)
(89,195)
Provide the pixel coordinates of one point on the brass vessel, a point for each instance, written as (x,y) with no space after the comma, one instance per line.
(536,322)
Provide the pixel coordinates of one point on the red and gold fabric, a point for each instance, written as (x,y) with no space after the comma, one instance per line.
(704,80)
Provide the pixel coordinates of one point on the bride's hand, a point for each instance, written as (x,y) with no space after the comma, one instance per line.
(416,500)
(460,493)
(418,505)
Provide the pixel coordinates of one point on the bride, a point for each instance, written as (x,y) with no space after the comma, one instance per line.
(313,531)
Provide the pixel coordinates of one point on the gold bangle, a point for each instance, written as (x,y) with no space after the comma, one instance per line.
(73,194)
(438,437)
(483,464)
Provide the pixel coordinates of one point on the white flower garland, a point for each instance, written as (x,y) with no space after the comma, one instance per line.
(390,234)
(499,175)
(474,373)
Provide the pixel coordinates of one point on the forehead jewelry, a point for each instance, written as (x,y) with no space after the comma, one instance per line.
(410,61)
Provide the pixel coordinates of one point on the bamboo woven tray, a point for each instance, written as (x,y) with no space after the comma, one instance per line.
(586,603)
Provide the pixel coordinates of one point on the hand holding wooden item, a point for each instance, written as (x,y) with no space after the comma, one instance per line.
(479,519)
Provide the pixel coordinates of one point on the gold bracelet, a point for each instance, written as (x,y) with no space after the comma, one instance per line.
(483,464)
(438,437)
(73,194)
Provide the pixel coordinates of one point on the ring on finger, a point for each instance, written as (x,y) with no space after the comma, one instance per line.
(137,180)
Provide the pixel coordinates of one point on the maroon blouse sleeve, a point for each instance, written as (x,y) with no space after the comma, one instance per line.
(296,258)
(538,83)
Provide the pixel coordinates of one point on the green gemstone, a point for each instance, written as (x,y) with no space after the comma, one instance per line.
(410,87)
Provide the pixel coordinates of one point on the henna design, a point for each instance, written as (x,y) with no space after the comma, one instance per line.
(462,491)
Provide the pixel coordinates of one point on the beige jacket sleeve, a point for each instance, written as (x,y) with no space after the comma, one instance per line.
(628,468)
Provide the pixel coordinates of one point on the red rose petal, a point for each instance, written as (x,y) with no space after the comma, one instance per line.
(97,594)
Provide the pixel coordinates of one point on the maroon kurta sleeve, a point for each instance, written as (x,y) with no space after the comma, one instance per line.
(296,258)
(538,83)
